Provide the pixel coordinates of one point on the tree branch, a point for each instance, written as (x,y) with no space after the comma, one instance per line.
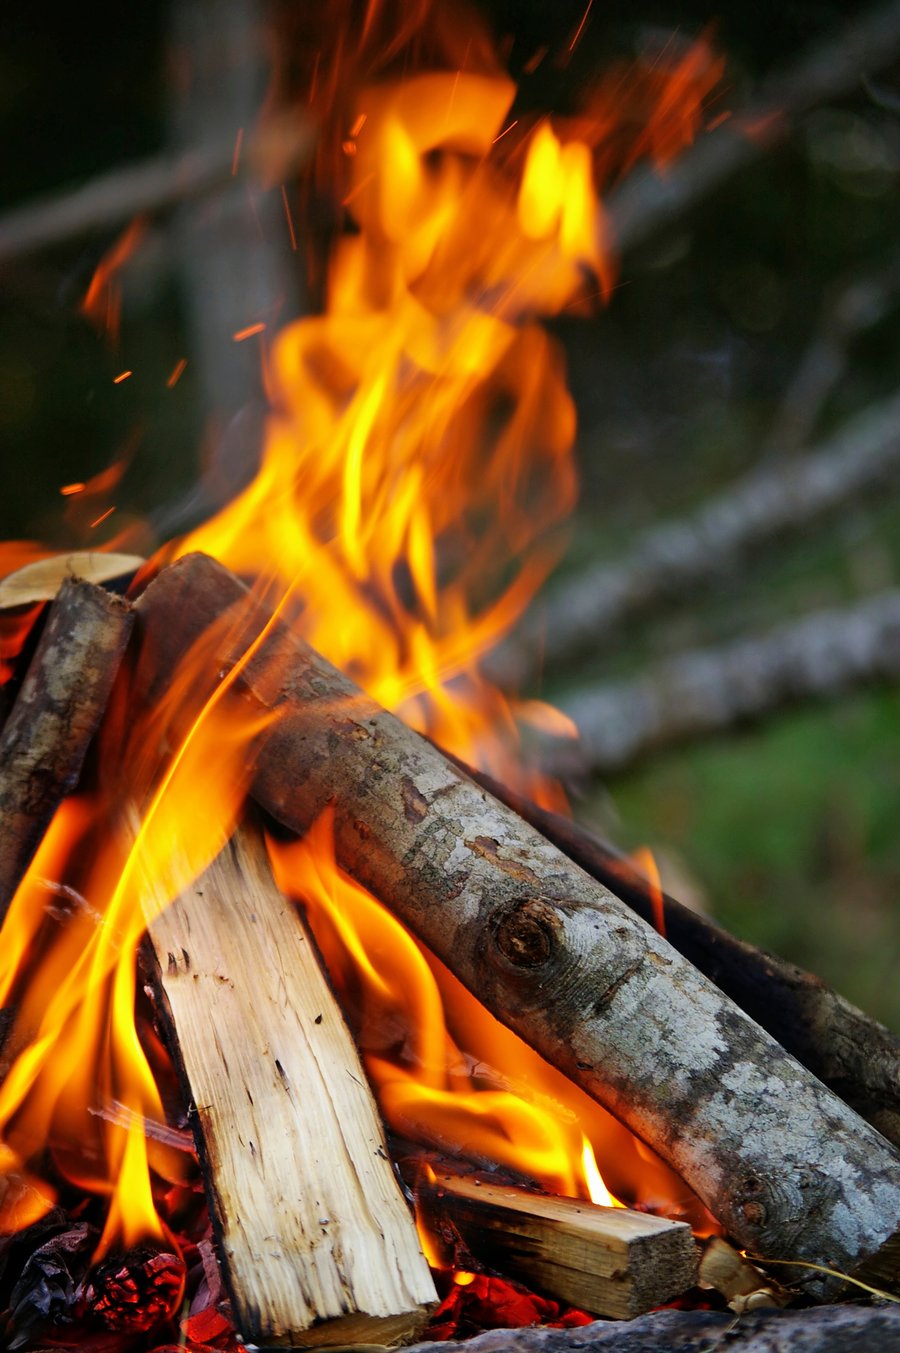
(708,690)
(647,203)
(671,561)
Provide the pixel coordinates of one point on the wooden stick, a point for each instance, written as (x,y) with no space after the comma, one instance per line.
(316,1240)
(789,1170)
(607,1260)
(855,1056)
(46,737)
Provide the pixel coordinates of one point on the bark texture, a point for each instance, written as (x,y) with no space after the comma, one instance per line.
(829,1329)
(62,699)
(789,1170)
(316,1240)
(855,1056)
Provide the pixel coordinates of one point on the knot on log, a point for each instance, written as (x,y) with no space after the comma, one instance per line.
(525,933)
(765,1208)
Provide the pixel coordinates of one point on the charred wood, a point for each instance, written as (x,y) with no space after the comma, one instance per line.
(789,1170)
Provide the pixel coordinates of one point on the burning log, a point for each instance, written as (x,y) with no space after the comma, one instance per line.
(316,1240)
(607,1260)
(788,1169)
(46,737)
(855,1056)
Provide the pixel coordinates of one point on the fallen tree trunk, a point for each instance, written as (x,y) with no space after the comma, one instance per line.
(789,1170)
(58,709)
(316,1241)
(854,1055)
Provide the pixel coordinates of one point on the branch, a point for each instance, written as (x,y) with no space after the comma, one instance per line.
(671,561)
(151,185)
(646,202)
(709,690)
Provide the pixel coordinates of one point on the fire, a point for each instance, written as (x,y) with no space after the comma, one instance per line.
(415,475)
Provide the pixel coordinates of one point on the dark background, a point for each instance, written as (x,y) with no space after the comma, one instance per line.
(787,830)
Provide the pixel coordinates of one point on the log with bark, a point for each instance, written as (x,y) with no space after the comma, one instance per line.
(607,1260)
(788,1169)
(826,1329)
(855,1056)
(58,709)
(317,1243)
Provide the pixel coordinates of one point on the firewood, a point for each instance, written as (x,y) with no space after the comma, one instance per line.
(606,1260)
(316,1240)
(45,739)
(855,1056)
(824,1329)
(42,580)
(789,1170)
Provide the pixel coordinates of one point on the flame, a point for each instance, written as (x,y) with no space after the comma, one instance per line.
(415,475)
(102,302)
(645,862)
(75,1015)
(431,1085)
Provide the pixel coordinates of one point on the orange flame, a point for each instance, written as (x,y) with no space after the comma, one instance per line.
(76,1012)
(102,302)
(415,473)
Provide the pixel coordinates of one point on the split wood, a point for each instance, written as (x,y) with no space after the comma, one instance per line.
(317,1243)
(607,1260)
(855,1056)
(46,737)
(789,1170)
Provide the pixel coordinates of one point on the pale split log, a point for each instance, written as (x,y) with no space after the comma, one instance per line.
(58,709)
(855,1055)
(606,1260)
(42,579)
(789,1170)
(317,1243)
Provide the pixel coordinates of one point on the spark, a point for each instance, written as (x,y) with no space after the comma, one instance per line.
(68,489)
(500,135)
(358,125)
(250,330)
(717,121)
(290,219)
(236,157)
(580,29)
(176,372)
(102,518)
(122,376)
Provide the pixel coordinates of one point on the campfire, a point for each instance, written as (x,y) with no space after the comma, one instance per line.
(323,1023)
